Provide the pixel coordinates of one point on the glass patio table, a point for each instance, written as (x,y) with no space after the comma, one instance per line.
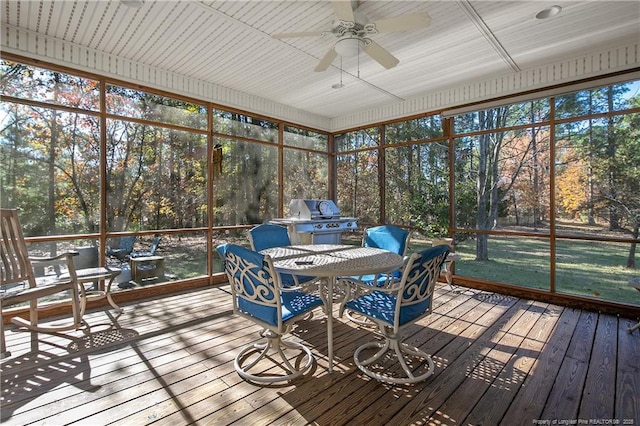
(331,261)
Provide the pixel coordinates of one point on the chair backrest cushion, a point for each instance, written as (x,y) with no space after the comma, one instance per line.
(419,278)
(267,235)
(387,237)
(222,250)
(413,298)
(257,291)
(252,284)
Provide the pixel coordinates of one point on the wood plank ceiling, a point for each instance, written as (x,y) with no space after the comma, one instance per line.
(229,43)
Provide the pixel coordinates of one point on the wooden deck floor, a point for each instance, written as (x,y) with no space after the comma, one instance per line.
(169,361)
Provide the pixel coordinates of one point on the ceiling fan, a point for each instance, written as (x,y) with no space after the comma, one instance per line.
(352,30)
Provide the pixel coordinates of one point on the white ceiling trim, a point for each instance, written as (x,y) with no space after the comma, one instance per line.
(26,43)
(588,66)
(50,49)
(546,93)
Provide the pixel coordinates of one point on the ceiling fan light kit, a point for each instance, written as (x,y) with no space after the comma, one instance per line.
(349,46)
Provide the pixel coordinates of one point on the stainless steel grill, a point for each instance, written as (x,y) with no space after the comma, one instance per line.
(315,222)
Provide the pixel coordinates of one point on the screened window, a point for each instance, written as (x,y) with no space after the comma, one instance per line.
(366,138)
(127,102)
(417,187)
(509,166)
(413,130)
(307,139)
(245,126)
(246,186)
(156,177)
(48,169)
(42,85)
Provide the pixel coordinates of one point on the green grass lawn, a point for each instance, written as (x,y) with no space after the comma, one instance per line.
(585,268)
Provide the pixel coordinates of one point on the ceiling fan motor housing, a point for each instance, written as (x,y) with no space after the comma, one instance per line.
(356,28)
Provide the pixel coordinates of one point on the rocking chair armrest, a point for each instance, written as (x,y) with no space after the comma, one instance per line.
(66,257)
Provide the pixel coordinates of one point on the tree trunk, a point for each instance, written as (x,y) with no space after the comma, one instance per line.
(51,211)
(614,215)
(631,260)
(482,193)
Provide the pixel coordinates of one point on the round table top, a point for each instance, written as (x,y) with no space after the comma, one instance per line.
(330,260)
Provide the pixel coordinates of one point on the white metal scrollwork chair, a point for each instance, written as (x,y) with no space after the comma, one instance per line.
(392,309)
(18,281)
(265,236)
(259,296)
(386,237)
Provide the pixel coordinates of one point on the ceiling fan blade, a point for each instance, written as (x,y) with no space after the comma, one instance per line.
(381,55)
(326,60)
(302,34)
(343,10)
(402,23)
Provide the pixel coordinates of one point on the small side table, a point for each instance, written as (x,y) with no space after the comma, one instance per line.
(96,274)
(146,267)
(635,283)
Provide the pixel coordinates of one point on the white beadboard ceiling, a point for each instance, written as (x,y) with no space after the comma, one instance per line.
(223,51)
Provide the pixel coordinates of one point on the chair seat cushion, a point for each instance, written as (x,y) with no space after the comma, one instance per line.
(381,306)
(293,303)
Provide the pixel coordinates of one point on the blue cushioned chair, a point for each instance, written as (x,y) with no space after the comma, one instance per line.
(391,309)
(259,296)
(267,236)
(390,238)
(386,237)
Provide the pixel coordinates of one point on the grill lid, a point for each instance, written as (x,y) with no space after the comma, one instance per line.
(313,209)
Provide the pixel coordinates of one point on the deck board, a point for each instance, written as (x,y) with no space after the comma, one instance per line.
(601,375)
(167,361)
